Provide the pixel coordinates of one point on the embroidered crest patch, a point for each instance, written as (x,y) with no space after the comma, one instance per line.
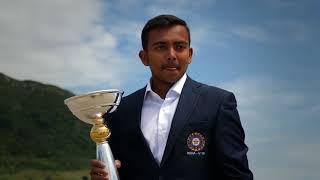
(196,142)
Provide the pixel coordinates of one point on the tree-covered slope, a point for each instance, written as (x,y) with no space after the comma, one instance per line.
(37,131)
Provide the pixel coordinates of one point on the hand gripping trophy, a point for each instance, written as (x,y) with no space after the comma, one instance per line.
(91,108)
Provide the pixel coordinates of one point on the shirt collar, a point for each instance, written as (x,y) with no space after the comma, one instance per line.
(176,89)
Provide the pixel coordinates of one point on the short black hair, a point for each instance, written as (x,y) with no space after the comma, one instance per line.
(158,22)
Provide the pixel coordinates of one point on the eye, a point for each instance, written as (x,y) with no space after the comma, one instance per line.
(181,46)
(160,47)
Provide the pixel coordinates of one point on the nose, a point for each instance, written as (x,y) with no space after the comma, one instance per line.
(171,54)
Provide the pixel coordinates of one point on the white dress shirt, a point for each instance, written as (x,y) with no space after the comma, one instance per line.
(157,115)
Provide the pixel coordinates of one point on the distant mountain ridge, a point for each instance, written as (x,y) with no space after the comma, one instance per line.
(37,131)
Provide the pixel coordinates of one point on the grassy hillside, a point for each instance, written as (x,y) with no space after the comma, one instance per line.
(37,131)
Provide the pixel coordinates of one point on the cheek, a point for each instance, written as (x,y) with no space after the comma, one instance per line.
(155,59)
(185,58)
(155,67)
(184,61)
(155,64)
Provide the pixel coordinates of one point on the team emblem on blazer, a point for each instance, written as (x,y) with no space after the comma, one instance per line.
(196,142)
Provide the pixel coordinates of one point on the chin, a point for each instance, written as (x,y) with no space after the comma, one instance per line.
(173,80)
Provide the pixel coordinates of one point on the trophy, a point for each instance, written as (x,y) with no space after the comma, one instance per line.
(91,108)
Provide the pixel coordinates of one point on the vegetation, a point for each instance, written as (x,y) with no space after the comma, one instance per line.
(39,133)
(47,175)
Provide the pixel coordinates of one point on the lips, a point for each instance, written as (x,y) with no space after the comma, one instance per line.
(170,67)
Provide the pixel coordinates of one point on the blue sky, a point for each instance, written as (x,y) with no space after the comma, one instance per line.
(265,51)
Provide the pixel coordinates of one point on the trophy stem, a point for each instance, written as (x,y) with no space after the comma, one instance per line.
(104,154)
(100,133)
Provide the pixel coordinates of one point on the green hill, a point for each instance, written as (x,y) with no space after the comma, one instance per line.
(37,131)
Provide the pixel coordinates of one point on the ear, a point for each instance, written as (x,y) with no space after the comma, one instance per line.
(190,55)
(143,57)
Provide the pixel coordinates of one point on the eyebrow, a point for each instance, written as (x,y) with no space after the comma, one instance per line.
(182,42)
(163,43)
(158,43)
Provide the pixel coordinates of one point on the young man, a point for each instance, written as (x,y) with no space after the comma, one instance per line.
(175,128)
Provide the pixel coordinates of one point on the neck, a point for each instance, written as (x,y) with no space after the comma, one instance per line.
(160,87)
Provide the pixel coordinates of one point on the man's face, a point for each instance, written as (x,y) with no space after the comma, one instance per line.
(168,53)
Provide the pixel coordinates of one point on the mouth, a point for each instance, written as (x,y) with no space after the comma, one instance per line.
(170,68)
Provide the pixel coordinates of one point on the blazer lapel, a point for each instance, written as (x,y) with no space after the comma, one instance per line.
(187,103)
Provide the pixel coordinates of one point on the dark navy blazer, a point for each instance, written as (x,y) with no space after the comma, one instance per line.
(204,113)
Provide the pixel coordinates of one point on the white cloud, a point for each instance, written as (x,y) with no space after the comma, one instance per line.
(295,162)
(251,32)
(268,93)
(60,42)
(184,8)
(275,30)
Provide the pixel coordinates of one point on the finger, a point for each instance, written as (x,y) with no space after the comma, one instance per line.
(97,163)
(98,177)
(99,171)
(117,163)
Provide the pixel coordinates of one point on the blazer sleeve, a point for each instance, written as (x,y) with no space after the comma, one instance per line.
(231,150)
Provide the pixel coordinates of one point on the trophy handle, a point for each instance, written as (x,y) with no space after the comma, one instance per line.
(104,154)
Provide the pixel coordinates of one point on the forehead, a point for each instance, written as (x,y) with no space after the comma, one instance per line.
(169,34)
